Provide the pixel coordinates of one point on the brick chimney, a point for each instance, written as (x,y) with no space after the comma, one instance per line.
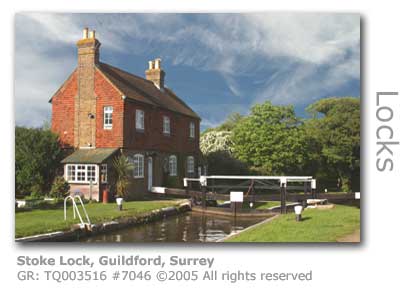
(85,102)
(155,73)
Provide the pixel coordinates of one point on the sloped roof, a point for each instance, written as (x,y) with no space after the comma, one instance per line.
(90,156)
(142,90)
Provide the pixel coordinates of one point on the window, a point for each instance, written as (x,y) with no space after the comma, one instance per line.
(140,120)
(91,173)
(71,173)
(191,129)
(173,167)
(138,170)
(166,125)
(108,117)
(104,173)
(190,165)
(81,173)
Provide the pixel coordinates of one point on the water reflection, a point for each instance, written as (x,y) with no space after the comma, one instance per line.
(188,227)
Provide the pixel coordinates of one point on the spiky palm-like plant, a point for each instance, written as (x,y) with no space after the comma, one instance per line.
(122,168)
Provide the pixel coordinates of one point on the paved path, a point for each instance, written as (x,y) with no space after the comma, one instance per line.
(353,237)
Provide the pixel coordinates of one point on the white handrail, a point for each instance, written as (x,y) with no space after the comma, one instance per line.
(75,208)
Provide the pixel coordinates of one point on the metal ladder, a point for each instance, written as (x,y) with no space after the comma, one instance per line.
(75,209)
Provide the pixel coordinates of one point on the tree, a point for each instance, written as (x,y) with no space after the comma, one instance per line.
(215,141)
(335,126)
(216,146)
(37,158)
(271,140)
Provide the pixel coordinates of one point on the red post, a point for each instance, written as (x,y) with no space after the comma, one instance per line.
(105,196)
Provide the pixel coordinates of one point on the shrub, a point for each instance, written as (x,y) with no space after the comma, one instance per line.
(60,188)
(36,192)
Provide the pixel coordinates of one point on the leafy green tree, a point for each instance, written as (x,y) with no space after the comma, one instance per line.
(335,128)
(271,140)
(231,121)
(37,158)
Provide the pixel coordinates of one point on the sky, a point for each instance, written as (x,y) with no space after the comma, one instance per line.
(217,63)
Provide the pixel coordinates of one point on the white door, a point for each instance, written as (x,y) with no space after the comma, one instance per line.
(150,173)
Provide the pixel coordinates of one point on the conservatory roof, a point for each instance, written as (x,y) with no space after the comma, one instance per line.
(90,156)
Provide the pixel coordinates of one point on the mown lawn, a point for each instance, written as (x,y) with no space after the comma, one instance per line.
(51,220)
(317,226)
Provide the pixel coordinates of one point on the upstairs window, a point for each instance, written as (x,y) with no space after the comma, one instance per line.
(166,125)
(139,120)
(190,165)
(108,117)
(192,130)
(138,170)
(173,166)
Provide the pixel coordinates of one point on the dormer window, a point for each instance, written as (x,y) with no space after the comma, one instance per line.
(192,130)
(166,125)
(108,110)
(139,120)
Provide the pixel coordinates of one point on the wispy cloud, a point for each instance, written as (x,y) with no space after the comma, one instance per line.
(282,57)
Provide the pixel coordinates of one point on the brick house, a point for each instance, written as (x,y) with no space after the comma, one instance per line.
(101,111)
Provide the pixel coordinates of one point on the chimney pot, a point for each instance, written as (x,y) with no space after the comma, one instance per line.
(157,63)
(150,64)
(85,33)
(92,34)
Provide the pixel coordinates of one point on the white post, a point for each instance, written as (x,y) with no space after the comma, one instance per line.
(203,180)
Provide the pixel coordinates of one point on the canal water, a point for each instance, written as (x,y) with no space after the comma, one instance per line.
(187,227)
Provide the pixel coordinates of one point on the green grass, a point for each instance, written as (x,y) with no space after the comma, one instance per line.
(45,221)
(317,226)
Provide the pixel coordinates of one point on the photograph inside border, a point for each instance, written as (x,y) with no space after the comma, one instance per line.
(187,127)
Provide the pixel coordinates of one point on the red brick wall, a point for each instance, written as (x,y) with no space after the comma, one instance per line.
(62,118)
(108,95)
(152,138)
(123,132)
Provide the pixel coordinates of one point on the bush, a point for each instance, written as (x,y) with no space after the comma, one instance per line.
(36,192)
(37,158)
(60,188)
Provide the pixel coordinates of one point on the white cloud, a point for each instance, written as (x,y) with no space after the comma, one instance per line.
(302,55)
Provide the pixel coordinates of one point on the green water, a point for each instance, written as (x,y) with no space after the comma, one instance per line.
(187,227)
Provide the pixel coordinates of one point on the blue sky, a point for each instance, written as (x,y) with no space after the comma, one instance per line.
(217,63)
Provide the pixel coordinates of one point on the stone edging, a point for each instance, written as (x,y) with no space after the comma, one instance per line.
(78,232)
(248,228)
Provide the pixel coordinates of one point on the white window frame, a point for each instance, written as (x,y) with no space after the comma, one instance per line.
(81,171)
(190,165)
(192,130)
(104,173)
(108,115)
(139,119)
(166,125)
(173,165)
(139,166)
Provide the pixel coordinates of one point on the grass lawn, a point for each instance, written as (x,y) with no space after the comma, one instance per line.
(317,226)
(45,221)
